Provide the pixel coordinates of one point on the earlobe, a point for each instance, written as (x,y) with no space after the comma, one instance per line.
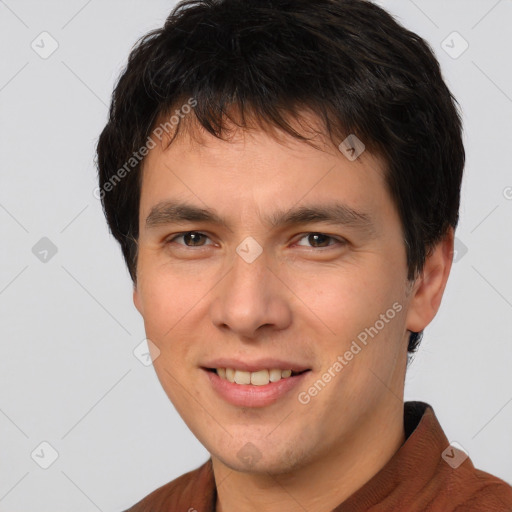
(429,287)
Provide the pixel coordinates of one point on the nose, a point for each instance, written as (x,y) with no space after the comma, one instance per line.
(251,298)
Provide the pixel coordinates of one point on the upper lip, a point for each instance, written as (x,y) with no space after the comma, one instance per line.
(254,366)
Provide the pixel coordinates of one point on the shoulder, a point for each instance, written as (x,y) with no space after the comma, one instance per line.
(429,473)
(465,487)
(192,490)
(478,490)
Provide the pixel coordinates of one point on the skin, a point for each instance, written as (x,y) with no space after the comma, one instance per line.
(298,300)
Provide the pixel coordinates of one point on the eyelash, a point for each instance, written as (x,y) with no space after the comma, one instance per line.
(340,242)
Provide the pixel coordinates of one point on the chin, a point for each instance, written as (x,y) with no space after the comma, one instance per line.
(252,458)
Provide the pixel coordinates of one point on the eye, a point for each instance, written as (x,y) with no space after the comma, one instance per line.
(197,239)
(320,239)
(194,237)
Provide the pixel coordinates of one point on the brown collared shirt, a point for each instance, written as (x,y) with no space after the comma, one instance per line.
(424,475)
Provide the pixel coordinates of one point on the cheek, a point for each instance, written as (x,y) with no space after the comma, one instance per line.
(360,314)
(345,299)
(168,299)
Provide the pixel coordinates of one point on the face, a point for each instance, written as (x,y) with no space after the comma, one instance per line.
(258,284)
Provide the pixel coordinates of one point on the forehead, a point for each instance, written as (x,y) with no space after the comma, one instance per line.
(189,140)
(256,169)
(188,134)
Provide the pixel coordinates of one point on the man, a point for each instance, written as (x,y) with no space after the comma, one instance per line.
(284,180)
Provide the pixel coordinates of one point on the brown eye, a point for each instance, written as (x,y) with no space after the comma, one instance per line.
(190,239)
(319,240)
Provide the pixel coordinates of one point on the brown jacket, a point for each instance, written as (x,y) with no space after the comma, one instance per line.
(421,476)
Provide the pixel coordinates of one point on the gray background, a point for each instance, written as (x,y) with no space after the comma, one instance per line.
(68,374)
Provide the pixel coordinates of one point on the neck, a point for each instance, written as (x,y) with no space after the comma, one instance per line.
(325,482)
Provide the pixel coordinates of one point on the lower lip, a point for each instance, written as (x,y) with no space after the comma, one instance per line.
(248,395)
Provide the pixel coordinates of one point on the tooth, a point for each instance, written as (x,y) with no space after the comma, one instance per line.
(230,374)
(275,375)
(259,378)
(242,377)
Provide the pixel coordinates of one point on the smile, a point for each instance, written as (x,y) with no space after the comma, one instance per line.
(257,378)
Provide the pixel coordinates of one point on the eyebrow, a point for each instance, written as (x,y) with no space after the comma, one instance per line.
(176,212)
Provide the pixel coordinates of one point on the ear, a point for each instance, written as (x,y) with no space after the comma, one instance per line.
(137,300)
(428,289)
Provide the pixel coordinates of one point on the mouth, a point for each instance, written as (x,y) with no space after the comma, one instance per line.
(258,388)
